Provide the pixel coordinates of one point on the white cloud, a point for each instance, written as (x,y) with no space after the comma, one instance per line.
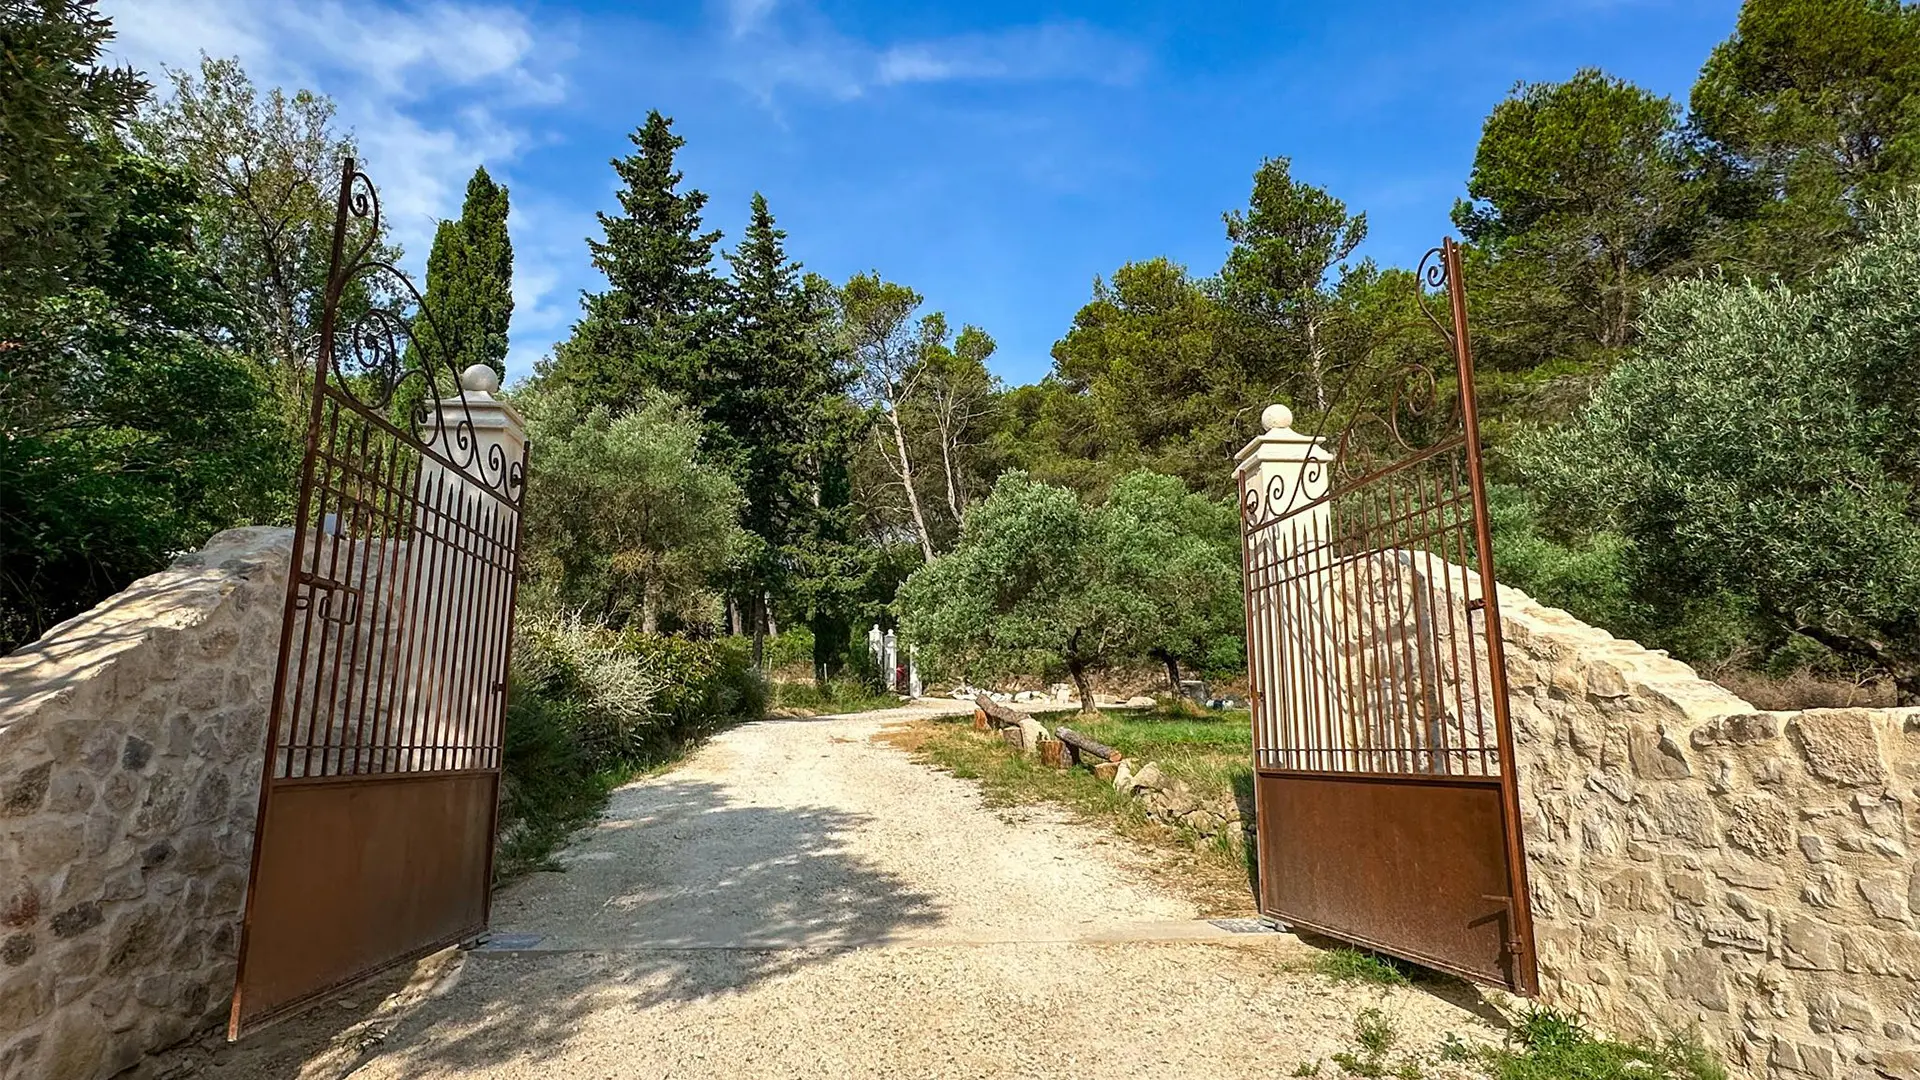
(796,47)
(392,72)
(745,16)
(1050,51)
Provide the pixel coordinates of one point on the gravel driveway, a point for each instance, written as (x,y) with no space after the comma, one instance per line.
(800,900)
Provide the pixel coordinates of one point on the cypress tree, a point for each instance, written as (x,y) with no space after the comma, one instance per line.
(659,317)
(470,278)
(469,295)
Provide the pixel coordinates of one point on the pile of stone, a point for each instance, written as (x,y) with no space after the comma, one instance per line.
(1171,801)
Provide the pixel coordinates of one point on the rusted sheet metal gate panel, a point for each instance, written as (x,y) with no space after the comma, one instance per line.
(374,843)
(1386,803)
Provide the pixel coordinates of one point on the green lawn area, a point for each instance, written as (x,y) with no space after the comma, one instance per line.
(1210,752)
(1213,753)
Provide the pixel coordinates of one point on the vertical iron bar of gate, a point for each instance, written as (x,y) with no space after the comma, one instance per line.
(1520,913)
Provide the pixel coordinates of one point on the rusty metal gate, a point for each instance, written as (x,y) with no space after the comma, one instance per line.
(381,780)
(1386,804)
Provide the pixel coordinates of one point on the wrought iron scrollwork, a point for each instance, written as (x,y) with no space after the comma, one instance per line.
(1378,420)
(366,357)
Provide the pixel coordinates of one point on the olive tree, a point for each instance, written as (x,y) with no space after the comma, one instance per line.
(1041,583)
(631,523)
(1758,453)
(1182,551)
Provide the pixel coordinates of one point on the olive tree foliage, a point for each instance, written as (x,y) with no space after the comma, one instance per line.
(627,521)
(1042,584)
(1757,453)
(1184,550)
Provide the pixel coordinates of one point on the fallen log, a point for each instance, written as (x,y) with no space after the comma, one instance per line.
(996,714)
(1079,746)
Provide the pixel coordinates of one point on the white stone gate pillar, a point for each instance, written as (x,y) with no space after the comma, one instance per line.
(464,530)
(1281,475)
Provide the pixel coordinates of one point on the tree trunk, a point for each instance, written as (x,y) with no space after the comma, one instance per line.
(649,612)
(1318,356)
(906,481)
(756,612)
(946,464)
(1079,672)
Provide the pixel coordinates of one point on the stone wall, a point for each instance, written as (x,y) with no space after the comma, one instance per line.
(1697,863)
(130,742)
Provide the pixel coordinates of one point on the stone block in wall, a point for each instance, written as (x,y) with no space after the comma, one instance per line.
(1840,745)
(1698,976)
(1759,825)
(1657,756)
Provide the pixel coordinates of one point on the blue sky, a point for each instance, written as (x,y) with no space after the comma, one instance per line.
(994,156)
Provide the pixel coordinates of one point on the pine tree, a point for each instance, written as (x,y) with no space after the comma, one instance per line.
(764,400)
(660,316)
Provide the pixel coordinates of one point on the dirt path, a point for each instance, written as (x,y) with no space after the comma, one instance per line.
(800,900)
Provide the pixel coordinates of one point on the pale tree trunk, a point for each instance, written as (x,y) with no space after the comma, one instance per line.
(906,481)
(1317,356)
(758,613)
(954,497)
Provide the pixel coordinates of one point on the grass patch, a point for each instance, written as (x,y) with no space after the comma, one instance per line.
(1372,1057)
(807,698)
(1213,752)
(1350,965)
(1550,1045)
(1214,875)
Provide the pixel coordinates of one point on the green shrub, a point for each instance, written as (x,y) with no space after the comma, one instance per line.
(591,707)
(549,784)
(791,649)
(607,689)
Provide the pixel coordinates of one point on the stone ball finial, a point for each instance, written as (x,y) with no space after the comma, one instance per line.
(1276,416)
(480,378)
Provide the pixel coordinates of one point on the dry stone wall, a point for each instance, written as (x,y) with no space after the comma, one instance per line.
(1697,863)
(130,742)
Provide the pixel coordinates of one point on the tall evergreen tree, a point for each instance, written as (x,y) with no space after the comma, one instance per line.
(470,282)
(660,317)
(763,397)
(1810,110)
(1581,196)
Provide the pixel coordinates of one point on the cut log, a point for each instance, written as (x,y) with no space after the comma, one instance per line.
(1053,754)
(997,715)
(1079,747)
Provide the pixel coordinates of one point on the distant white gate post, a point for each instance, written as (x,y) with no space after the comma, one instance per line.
(1281,472)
